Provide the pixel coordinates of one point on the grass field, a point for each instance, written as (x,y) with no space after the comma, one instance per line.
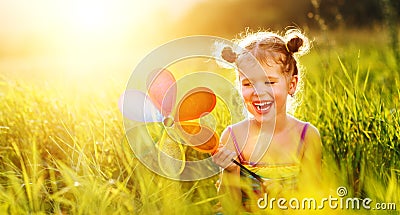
(63,148)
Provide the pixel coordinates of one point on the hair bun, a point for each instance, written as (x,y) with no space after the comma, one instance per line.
(294,44)
(228,54)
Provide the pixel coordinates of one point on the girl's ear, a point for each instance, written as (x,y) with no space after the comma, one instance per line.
(293,80)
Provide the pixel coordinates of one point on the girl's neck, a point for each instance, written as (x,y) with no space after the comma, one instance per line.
(280,123)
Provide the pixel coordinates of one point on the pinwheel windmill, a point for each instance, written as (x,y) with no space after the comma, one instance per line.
(178,120)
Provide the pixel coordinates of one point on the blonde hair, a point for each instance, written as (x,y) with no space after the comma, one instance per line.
(265,46)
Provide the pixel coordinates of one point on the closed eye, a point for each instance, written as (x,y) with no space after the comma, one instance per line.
(246,84)
(270,82)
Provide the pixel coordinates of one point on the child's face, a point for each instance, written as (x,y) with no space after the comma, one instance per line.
(265,89)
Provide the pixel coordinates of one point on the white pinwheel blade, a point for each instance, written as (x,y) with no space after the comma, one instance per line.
(137,106)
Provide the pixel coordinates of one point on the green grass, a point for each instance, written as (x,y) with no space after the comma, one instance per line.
(66,153)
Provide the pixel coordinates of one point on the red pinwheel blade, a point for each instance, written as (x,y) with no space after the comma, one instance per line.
(162,90)
(196,103)
(199,137)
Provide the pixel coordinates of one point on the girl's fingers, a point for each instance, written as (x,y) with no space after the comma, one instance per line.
(227,156)
(272,187)
(223,158)
(221,155)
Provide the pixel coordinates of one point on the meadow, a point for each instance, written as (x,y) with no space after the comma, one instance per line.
(64,149)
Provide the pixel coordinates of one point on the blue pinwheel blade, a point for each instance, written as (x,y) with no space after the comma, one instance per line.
(137,106)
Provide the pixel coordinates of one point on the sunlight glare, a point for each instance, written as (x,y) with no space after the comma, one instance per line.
(83,37)
(90,14)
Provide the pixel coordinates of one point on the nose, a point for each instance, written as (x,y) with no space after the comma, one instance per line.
(260,89)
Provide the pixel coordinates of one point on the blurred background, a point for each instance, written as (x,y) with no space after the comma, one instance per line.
(65,64)
(82,39)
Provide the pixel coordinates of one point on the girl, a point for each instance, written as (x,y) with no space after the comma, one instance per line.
(284,151)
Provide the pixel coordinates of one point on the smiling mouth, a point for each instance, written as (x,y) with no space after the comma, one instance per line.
(262,106)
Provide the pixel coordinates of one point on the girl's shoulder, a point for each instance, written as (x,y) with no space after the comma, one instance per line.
(309,136)
(244,124)
(309,129)
(234,131)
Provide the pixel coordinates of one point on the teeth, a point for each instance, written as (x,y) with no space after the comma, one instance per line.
(262,106)
(263,103)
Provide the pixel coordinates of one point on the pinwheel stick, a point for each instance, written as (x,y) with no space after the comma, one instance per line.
(248,171)
(211,147)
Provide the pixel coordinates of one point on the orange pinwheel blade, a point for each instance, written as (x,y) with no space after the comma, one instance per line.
(196,103)
(199,137)
(162,90)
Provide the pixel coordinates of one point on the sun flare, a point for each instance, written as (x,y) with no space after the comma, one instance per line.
(91,14)
(82,37)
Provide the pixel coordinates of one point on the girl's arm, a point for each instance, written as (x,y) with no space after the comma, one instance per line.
(229,185)
(310,176)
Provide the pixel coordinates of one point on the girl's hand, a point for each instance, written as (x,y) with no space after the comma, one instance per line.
(272,187)
(223,158)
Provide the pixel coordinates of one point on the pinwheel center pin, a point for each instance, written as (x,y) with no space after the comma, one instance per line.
(168,121)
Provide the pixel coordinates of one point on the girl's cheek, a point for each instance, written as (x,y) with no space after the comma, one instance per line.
(247,92)
(246,96)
